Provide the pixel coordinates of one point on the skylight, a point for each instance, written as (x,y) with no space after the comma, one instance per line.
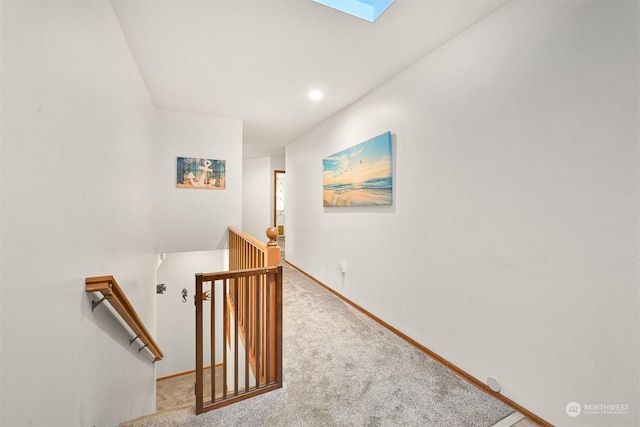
(365,9)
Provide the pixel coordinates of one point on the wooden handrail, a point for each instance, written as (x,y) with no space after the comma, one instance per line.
(112,293)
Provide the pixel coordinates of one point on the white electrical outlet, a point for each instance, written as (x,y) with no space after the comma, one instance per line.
(493,384)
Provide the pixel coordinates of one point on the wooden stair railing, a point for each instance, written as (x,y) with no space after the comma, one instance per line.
(245,251)
(250,297)
(112,293)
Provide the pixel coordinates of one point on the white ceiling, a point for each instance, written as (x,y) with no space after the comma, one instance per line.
(256,60)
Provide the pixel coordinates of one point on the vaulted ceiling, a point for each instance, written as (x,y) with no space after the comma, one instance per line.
(257,60)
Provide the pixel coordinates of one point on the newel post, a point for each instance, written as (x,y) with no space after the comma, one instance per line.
(273,312)
(273,250)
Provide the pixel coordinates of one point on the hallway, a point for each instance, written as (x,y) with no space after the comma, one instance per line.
(342,368)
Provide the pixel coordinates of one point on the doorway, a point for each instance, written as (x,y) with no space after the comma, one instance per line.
(278,207)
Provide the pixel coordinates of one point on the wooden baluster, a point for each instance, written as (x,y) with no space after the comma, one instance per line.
(237,336)
(246,341)
(213,338)
(226,320)
(257,347)
(278,337)
(199,347)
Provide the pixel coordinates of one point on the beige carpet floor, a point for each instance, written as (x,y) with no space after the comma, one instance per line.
(177,392)
(343,369)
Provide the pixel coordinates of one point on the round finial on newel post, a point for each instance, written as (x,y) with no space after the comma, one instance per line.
(272,233)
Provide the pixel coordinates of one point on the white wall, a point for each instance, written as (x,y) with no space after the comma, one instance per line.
(77,130)
(277,163)
(194,219)
(176,319)
(512,246)
(257,196)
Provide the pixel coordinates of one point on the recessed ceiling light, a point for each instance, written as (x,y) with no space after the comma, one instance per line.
(315,95)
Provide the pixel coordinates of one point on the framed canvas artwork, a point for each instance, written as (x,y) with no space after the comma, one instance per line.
(206,174)
(360,175)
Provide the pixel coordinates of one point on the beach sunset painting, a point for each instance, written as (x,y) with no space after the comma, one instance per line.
(360,175)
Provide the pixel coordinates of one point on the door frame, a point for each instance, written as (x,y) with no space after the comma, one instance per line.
(275,184)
